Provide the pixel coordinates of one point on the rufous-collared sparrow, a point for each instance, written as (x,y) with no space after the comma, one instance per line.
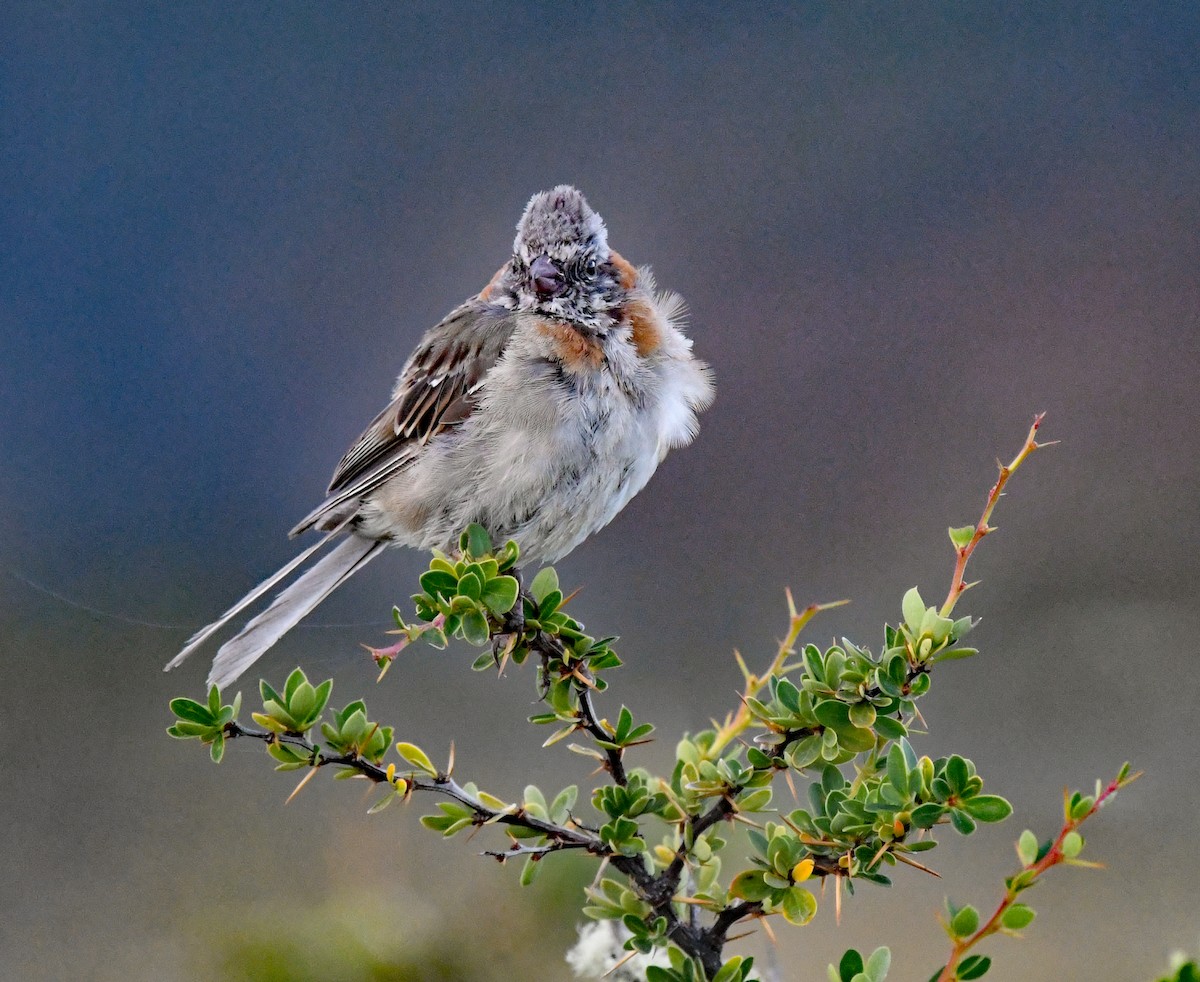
(537,408)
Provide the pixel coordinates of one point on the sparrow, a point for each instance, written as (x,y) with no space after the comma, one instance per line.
(537,409)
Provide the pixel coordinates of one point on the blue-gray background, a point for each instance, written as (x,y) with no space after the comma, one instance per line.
(901,231)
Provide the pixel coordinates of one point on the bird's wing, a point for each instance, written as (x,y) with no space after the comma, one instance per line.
(439,388)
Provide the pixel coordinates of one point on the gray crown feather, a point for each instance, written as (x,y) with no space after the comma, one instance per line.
(559,219)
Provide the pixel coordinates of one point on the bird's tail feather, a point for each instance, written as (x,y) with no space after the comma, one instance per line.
(205,633)
(286,610)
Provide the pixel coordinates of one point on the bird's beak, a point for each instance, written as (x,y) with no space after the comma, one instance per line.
(546,277)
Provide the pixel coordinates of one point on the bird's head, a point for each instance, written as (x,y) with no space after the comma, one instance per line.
(561,264)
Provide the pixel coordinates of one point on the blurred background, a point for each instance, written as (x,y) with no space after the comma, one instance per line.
(902,230)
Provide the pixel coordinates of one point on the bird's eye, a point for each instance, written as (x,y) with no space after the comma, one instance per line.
(590,267)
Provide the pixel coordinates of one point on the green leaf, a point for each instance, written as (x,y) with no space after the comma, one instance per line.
(755,800)
(475,628)
(988,808)
(549,604)
(545,583)
(957,773)
(217,750)
(814,662)
(1072,844)
(534,798)
(730,971)
(192,711)
(788,694)
(962,536)
(189,731)
(500,594)
(926,816)
(268,694)
(855,739)
(1082,806)
(878,964)
(749,885)
(292,683)
(529,871)
(624,725)
(961,821)
(302,701)
(417,757)
(476,541)
(799,906)
(834,714)
(954,654)
(862,714)
(973,967)
(832,779)
(804,752)
(383,802)
(437,582)
(563,802)
(1027,848)
(1017,917)
(890,728)
(897,769)
(935,626)
(965,922)
(850,965)
(913,608)
(322,697)
(470,586)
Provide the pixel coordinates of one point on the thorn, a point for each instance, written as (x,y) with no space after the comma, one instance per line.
(837,900)
(450,765)
(741,662)
(619,964)
(915,865)
(790,824)
(303,781)
(879,855)
(738,937)
(770,932)
(599,873)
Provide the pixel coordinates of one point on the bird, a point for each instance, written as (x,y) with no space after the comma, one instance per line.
(537,408)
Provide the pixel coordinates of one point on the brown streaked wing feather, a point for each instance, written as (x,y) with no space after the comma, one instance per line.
(437,389)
